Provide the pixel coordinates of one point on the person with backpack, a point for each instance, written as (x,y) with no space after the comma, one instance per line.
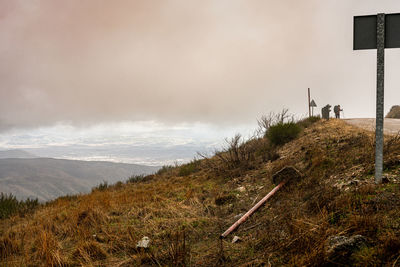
(337,111)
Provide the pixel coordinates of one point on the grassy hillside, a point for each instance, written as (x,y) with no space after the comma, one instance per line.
(184,210)
(47,178)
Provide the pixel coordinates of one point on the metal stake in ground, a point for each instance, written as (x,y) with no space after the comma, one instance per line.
(378,32)
(380,81)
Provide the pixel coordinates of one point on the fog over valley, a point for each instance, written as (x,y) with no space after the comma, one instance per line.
(146,143)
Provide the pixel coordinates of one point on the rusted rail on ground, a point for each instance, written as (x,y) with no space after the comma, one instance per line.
(252,210)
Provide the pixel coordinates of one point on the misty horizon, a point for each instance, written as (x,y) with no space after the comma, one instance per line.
(72,72)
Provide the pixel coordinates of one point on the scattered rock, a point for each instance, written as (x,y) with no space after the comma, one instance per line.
(241,189)
(287,173)
(237,217)
(385,180)
(236,239)
(143,243)
(340,248)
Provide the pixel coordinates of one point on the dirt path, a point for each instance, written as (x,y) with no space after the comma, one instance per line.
(391,126)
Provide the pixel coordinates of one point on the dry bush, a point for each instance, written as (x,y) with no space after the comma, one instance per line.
(178,250)
(236,153)
(239,155)
(266,121)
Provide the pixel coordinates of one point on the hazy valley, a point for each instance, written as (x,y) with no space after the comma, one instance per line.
(47,178)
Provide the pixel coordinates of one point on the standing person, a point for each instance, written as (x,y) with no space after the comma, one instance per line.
(325,112)
(337,111)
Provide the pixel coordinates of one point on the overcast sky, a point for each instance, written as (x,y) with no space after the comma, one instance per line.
(214,62)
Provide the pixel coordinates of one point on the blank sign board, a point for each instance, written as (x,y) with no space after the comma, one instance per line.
(365,31)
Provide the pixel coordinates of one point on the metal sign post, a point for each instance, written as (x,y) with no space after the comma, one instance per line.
(380,81)
(378,32)
(313,105)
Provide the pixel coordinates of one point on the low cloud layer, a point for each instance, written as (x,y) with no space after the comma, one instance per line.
(227,61)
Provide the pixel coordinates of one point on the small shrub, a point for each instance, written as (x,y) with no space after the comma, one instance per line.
(281,133)
(135,178)
(10,205)
(165,169)
(28,206)
(189,168)
(307,122)
(101,187)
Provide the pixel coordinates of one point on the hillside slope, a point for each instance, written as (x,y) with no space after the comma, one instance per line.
(46,178)
(16,154)
(184,210)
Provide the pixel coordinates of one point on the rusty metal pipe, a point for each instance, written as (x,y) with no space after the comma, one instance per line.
(252,210)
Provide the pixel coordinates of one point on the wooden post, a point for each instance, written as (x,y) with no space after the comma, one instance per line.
(309,107)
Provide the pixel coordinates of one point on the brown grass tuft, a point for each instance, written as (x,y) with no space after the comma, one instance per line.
(89,252)
(8,246)
(48,250)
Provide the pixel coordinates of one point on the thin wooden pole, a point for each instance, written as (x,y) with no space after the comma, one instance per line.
(309,106)
(252,210)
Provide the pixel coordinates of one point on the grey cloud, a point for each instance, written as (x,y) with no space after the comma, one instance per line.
(176,61)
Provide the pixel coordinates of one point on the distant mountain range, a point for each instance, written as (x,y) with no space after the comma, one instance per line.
(25,176)
(16,154)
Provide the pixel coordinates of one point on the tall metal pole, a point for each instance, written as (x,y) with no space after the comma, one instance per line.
(309,107)
(379,97)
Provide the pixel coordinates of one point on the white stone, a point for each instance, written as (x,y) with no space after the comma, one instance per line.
(144,243)
(238,216)
(236,239)
(241,189)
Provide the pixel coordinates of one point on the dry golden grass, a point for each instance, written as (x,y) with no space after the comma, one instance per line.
(184,215)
